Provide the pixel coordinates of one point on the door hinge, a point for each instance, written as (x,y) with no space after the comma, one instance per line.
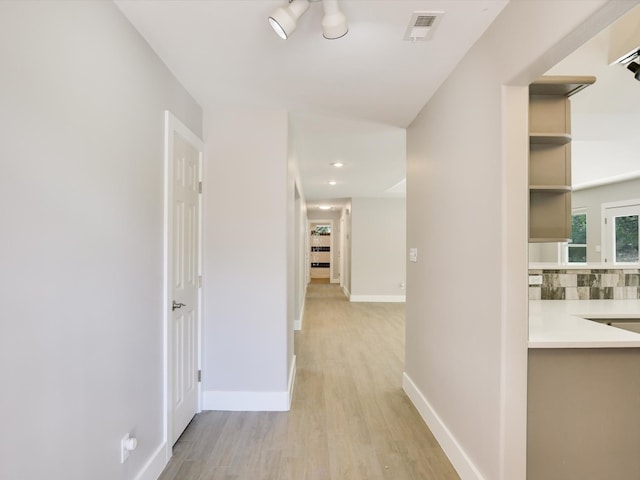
(199,187)
(199,375)
(199,281)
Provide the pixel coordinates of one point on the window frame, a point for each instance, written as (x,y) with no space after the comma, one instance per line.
(565,246)
(609,212)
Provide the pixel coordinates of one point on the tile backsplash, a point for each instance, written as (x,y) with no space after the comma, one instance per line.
(586,284)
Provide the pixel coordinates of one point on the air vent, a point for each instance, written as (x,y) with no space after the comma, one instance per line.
(422,25)
(425,21)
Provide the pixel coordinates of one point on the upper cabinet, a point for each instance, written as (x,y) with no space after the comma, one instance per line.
(550,156)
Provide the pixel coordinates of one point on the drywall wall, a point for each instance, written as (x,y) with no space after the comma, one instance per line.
(81,183)
(245,293)
(466,211)
(378,246)
(544,252)
(592,199)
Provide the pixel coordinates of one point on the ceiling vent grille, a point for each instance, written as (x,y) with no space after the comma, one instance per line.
(422,25)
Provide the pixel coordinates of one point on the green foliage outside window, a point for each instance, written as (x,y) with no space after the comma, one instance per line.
(579,229)
(577,249)
(627,238)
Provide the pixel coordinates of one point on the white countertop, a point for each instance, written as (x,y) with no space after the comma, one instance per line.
(563,324)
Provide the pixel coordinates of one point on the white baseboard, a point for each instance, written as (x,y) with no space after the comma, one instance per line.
(154,467)
(292,380)
(458,457)
(347,293)
(378,298)
(334,280)
(297,324)
(232,401)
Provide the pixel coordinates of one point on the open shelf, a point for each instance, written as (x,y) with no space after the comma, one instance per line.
(549,138)
(550,188)
(560,85)
(550,156)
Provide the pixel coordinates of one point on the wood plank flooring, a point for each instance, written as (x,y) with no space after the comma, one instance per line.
(350,419)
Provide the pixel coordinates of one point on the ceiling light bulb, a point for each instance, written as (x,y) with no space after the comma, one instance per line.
(332,182)
(337,164)
(324,207)
(334,22)
(283,20)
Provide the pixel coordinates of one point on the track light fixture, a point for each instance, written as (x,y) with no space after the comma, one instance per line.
(334,23)
(635,68)
(631,60)
(284,19)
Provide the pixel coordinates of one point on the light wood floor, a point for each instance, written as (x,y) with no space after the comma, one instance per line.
(349,419)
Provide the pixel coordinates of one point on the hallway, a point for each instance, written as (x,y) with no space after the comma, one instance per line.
(349,419)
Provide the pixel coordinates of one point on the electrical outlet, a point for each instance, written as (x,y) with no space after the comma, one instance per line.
(124,451)
(127,445)
(535,279)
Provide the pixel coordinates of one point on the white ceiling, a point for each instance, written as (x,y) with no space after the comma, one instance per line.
(350,99)
(605,116)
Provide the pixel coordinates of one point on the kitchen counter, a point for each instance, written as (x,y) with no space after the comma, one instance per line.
(563,324)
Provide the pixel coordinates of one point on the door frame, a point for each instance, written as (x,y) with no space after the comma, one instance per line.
(606,234)
(173,125)
(321,222)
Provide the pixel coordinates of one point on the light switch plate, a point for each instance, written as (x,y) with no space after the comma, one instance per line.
(413,254)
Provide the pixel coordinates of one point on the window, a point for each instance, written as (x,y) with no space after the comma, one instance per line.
(577,246)
(621,232)
(626,239)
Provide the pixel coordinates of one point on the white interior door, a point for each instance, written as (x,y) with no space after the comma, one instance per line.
(183,279)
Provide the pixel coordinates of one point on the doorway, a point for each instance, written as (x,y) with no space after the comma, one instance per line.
(620,233)
(321,251)
(182,278)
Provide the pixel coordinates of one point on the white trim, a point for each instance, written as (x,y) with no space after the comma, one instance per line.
(173,124)
(313,221)
(607,181)
(297,324)
(563,247)
(292,380)
(347,293)
(378,298)
(334,280)
(606,236)
(454,451)
(155,465)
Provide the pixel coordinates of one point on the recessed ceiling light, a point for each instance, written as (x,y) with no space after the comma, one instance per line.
(337,164)
(324,207)
(332,182)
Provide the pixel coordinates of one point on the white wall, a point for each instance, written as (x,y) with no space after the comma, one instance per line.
(246,308)
(466,212)
(378,249)
(81,186)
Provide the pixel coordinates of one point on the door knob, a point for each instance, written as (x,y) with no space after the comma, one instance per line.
(177,305)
